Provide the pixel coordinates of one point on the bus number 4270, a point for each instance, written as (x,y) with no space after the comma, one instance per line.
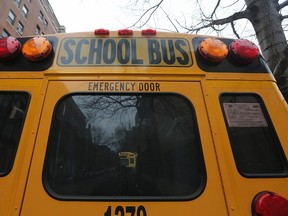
(126,211)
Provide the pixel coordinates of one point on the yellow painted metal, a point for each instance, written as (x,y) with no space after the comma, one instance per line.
(226,192)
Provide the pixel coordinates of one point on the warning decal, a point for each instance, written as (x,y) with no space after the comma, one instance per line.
(244,115)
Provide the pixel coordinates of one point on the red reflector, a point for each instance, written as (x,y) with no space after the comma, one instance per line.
(149,32)
(213,50)
(101,32)
(244,50)
(9,48)
(125,32)
(269,204)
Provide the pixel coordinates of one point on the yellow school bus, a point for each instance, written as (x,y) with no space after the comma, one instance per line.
(203,115)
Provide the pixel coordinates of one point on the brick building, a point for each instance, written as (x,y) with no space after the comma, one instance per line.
(28,17)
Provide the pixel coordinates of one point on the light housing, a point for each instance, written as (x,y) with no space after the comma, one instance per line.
(125,32)
(37,48)
(244,51)
(213,49)
(101,31)
(269,204)
(148,32)
(9,48)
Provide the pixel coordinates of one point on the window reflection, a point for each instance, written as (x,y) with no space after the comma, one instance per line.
(124,145)
(13,108)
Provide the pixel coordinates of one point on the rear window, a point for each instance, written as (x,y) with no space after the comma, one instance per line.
(13,109)
(256,148)
(119,146)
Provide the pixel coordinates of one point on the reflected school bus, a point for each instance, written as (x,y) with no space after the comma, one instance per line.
(141,123)
(128,159)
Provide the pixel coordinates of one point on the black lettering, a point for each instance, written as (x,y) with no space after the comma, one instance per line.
(78,58)
(168,52)
(122,87)
(184,60)
(157,86)
(132,85)
(140,86)
(106,86)
(123,51)
(90,86)
(154,51)
(95,86)
(130,210)
(69,52)
(119,211)
(109,47)
(101,86)
(108,211)
(127,88)
(141,211)
(95,51)
(134,53)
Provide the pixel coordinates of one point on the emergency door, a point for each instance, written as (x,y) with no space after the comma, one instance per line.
(18,114)
(124,148)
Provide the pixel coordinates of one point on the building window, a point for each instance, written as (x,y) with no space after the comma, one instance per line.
(25,11)
(17,2)
(37,30)
(40,16)
(5,33)
(45,23)
(11,17)
(20,28)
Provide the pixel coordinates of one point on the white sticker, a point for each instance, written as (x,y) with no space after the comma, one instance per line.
(244,115)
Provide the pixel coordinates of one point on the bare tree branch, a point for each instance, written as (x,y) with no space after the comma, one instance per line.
(284,17)
(234,30)
(153,8)
(214,11)
(282,65)
(227,20)
(283,4)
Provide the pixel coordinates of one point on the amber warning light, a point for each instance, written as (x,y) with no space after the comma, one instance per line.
(36,48)
(241,51)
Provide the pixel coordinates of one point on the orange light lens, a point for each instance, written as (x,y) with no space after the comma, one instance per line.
(213,49)
(37,48)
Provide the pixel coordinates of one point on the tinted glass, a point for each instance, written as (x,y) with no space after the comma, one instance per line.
(138,146)
(255,145)
(13,109)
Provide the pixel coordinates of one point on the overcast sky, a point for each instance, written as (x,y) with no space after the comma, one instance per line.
(87,15)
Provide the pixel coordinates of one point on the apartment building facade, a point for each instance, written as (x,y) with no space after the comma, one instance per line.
(28,17)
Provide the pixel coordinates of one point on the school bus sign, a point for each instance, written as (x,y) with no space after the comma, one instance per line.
(153,52)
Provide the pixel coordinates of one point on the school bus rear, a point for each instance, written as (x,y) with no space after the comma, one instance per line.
(203,116)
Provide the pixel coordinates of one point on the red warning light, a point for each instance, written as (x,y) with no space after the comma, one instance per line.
(125,32)
(101,32)
(243,50)
(9,48)
(148,32)
(269,204)
(212,49)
